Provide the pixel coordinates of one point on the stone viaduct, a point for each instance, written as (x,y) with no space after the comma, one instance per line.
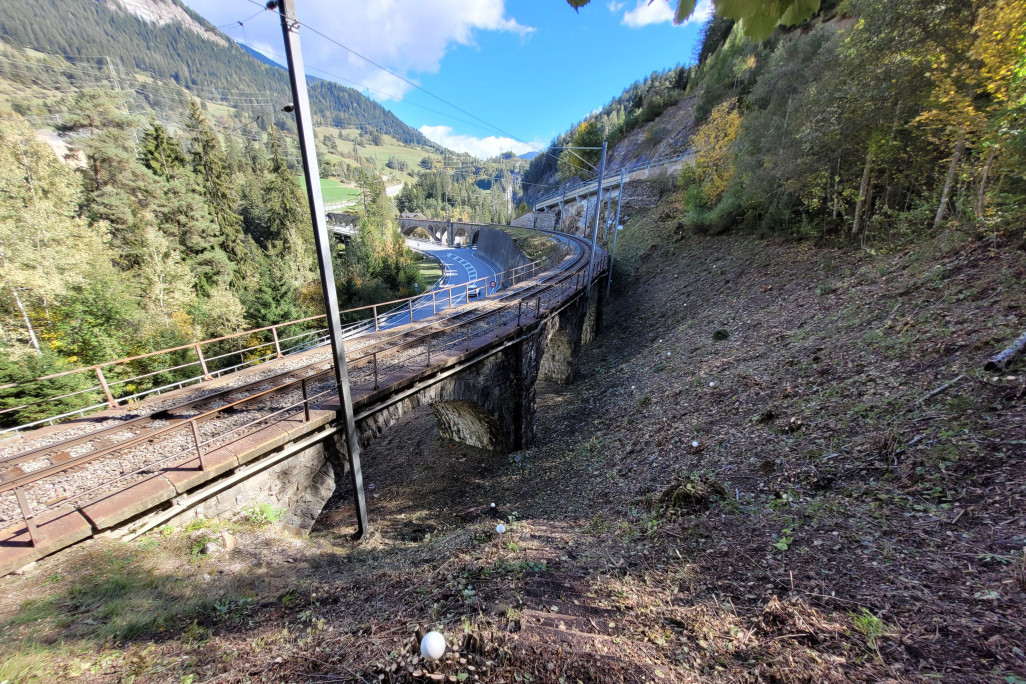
(482,394)
(440,232)
(572,210)
(484,398)
(449,233)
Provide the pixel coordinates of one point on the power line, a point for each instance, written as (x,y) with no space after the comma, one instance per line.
(413,84)
(241,21)
(393,96)
(422,89)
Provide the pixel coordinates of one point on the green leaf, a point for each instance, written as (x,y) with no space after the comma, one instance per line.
(759,24)
(799,11)
(685,8)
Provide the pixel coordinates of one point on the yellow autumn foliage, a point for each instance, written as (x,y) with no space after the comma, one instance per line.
(713,148)
(1001,46)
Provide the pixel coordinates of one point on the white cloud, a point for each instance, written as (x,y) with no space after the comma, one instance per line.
(703,12)
(615,6)
(647,12)
(482,148)
(406,36)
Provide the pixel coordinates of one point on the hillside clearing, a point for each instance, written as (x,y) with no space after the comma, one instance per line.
(755,475)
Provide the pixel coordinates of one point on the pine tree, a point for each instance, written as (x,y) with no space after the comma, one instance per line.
(275,299)
(210,164)
(282,200)
(285,215)
(161,153)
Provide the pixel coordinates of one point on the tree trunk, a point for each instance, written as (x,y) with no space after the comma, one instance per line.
(999,362)
(28,324)
(837,196)
(857,225)
(982,196)
(949,182)
(869,204)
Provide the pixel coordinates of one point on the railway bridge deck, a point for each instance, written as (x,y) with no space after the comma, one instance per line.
(273,431)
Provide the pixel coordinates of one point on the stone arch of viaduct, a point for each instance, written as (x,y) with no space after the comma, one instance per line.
(441,232)
(485,398)
(491,403)
(488,403)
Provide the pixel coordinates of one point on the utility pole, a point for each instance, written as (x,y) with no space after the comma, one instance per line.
(598,207)
(301,102)
(616,232)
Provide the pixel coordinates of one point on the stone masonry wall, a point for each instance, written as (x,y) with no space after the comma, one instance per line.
(557,364)
(545,220)
(499,249)
(300,485)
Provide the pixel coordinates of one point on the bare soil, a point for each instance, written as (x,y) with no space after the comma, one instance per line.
(780,463)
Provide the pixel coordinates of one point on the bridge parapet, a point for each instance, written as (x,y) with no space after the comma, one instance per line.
(477,373)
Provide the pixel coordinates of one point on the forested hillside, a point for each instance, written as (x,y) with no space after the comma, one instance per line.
(872,120)
(97,36)
(156,241)
(175,214)
(463,188)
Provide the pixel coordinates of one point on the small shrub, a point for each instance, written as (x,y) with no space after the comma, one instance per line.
(196,525)
(721,335)
(691,495)
(263,513)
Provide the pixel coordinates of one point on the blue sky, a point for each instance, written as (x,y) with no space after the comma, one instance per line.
(529,68)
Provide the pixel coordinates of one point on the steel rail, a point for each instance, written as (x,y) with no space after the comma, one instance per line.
(536,292)
(98,435)
(104,386)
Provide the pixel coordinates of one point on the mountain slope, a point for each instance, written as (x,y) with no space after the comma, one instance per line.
(169,42)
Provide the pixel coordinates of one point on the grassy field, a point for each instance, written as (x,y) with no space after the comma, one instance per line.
(332,190)
(380,154)
(430,271)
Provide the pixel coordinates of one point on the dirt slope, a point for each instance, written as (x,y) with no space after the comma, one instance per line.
(781,463)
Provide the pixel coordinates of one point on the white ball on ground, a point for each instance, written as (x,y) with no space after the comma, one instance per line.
(500,528)
(432,646)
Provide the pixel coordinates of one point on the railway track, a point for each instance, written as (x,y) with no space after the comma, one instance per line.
(70,471)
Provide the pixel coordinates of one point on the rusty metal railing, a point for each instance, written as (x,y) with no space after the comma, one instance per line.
(252,351)
(199,448)
(363,370)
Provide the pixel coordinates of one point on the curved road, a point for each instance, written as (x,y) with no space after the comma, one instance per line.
(460,266)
